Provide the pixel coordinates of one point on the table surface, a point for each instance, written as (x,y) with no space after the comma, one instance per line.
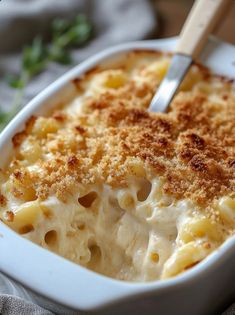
(172,14)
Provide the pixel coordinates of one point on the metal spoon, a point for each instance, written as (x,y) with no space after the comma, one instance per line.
(203,17)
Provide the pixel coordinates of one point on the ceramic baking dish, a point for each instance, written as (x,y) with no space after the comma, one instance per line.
(67,288)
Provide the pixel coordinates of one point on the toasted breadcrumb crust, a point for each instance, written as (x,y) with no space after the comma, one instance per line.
(2,200)
(191,147)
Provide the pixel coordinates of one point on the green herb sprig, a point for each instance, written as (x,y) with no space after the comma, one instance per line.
(66,34)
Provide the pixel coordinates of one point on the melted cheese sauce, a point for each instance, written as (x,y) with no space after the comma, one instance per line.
(129,229)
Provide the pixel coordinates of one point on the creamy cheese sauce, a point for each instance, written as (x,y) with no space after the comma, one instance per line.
(75,187)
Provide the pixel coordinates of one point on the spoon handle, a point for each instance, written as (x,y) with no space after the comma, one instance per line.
(200,22)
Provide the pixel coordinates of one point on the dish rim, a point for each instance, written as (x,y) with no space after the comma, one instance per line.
(89,290)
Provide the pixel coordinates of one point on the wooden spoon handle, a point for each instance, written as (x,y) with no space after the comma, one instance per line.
(203,17)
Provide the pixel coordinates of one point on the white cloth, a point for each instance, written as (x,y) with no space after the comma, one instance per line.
(12,305)
(114,21)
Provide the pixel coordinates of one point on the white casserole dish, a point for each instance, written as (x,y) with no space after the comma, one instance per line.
(67,288)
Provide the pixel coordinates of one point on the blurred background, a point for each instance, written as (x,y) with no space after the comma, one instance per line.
(172,14)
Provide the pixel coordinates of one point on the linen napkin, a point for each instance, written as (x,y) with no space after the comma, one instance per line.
(114,22)
(11,305)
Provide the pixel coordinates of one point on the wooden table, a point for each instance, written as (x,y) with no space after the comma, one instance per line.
(172,14)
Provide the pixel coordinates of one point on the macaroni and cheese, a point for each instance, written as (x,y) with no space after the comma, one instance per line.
(133,195)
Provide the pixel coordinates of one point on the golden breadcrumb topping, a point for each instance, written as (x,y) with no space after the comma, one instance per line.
(112,137)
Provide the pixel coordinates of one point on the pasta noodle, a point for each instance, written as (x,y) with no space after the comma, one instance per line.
(133,195)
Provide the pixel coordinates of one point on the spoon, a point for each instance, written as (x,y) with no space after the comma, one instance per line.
(203,17)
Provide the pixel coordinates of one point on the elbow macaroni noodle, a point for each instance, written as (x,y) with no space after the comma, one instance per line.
(133,230)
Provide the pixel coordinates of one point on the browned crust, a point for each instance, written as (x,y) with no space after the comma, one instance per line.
(192,147)
(3,200)
(59,115)
(10,216)
(18,138)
